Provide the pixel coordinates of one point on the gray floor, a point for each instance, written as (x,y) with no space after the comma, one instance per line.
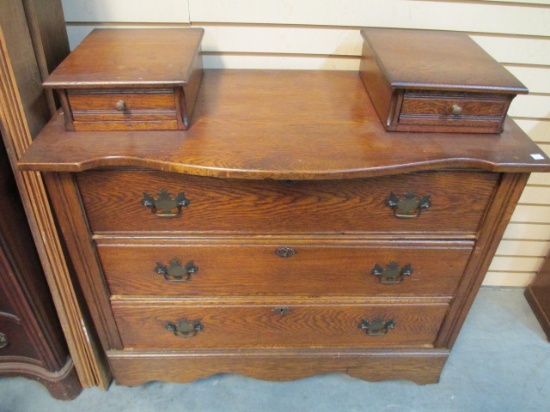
(501,362)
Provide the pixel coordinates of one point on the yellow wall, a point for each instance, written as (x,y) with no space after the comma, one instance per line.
(324,35)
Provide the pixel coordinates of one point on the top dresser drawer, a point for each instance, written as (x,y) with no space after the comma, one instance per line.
(123,109)
(147,201)
(458,110)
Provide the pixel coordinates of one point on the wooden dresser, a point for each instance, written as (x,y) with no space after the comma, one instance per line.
(31,341)
(285,234)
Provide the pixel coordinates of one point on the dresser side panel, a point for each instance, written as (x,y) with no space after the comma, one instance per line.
(498,215)
(74,226)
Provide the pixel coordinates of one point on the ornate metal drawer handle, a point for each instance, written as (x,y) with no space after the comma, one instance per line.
(4,341)
(409,205)
(165,206)
(392,274)
(377,327)
(184,328)
(175,272)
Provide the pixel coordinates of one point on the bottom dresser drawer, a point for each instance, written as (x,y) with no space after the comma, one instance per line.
(184,326)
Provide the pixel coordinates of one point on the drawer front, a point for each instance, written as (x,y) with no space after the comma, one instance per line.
(222,326)
(5,305)
(250,268)
(14,341)
(145,201)
(123,109)
(122,105)
(424,108)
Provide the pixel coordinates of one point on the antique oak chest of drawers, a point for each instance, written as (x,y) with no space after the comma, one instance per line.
(285,234)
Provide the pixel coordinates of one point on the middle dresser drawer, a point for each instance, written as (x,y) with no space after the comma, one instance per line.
(247,267)
(158,202)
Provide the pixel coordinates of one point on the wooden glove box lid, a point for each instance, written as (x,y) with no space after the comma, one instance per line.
(434,81)
(130,79)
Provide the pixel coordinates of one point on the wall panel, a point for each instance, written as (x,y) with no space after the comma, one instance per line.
(173,11)
(442,15)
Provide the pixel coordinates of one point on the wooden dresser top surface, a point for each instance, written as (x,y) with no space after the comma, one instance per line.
(129,57)
(283,125)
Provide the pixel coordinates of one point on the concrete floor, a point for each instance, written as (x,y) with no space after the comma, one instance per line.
(501,362)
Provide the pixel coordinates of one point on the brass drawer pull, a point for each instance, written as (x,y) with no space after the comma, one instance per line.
(285,252)
(392,274)
(4,341)
(409,205)
(165,206)
(175,272)
(120,105)
(377,327)
(184,328)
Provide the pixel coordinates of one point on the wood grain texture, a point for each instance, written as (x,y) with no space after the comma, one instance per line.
(49,37)
(320,267)
(33,343)
(66,203)
(263,124)
(441,105)
(128,58)
(494,225)
(138,367)
(326,193)
(130,79)
(240,326)
(437,60)
(22,60)
(62,384)
(22,279)
(162,100)
(112,202)
(21,117)
(429,75)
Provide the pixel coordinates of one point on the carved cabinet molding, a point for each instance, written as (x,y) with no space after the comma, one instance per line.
(32,42)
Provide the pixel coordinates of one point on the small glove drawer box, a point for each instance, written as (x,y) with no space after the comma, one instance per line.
(130,79)
(430,81)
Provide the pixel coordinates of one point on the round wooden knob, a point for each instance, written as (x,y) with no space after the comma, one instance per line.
(120,105)
(456,110)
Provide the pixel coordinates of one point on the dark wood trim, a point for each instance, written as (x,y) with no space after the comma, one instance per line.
(62,384)
(23,113)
